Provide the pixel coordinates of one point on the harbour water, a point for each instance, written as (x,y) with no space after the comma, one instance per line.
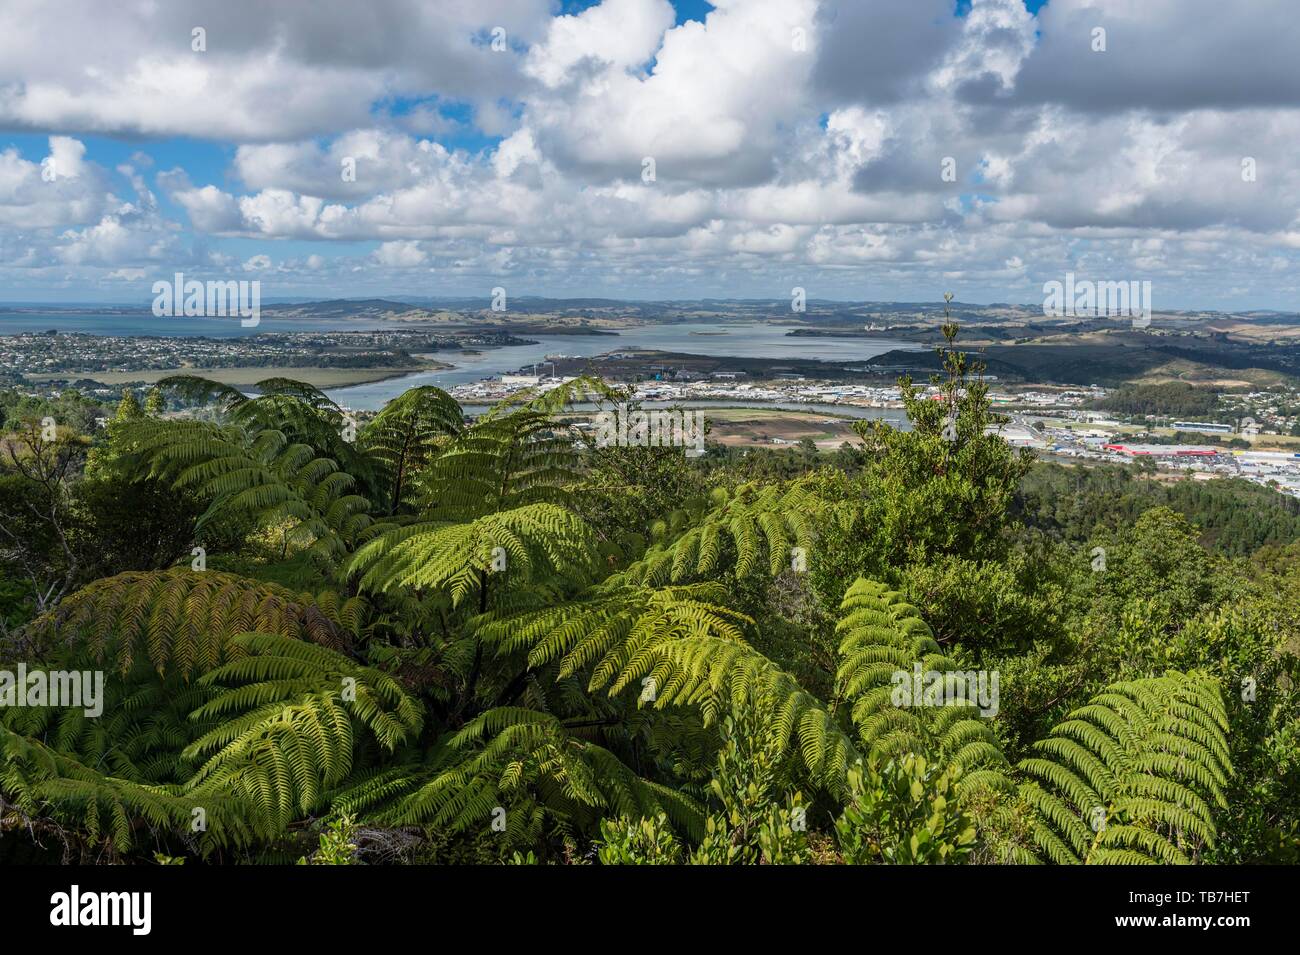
(740,340)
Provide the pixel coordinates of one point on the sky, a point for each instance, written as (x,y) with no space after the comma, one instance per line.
(641,149)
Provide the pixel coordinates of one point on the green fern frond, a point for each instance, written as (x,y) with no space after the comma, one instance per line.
(540,544)
(1142,764)
(183,621)
(882,639)
(405,436)
(756,527)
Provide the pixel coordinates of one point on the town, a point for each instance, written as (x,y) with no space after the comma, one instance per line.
(1057,422)
(100,365)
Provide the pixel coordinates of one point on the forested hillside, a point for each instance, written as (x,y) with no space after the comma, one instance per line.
(433,639)
(1174,398)
(1233,517)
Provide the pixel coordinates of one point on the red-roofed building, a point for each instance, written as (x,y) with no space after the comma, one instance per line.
(1163,450)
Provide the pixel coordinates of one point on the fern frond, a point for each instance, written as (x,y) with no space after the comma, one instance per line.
(1142,763)
(183,621)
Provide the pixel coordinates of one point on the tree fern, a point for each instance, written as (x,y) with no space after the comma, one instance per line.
(500,463)
(138,736)
(182,621)
(517,759)
(753,529)
(405,436)
(1134,776)
(880,637)
(510,669)
(675,646)
(275,670)
(553,400)
(300,411)
(264,474)
(540,545)
(120,813)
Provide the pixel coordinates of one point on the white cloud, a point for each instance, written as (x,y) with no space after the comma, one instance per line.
(117,239)
(709,110)
(774,165)
(60,190)
(269,71)
(622,34)
(210,209)
(400,255)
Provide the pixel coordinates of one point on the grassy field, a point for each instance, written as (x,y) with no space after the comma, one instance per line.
(747,427)
(240,376)
(1209,376)
(770,427)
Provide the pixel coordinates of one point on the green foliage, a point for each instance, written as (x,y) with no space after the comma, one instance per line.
(38,465)
(183,620)
(128,409)
(757,822)
(945,486)
(1232,517)
(983,605)
(882,637)
(404,437)
(521,765)
(941,489)
(262,475)
(1171,398)
(337,844)
(647,841)
(44,783)
(542,546)
(500,463)
(71,410)
(518,648)
(154,402)
(750,530)
(1156,577)
(904,813)
(1132,777)
(132,525)
(628,489)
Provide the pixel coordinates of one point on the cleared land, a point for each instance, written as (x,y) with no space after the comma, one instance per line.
(749,427)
